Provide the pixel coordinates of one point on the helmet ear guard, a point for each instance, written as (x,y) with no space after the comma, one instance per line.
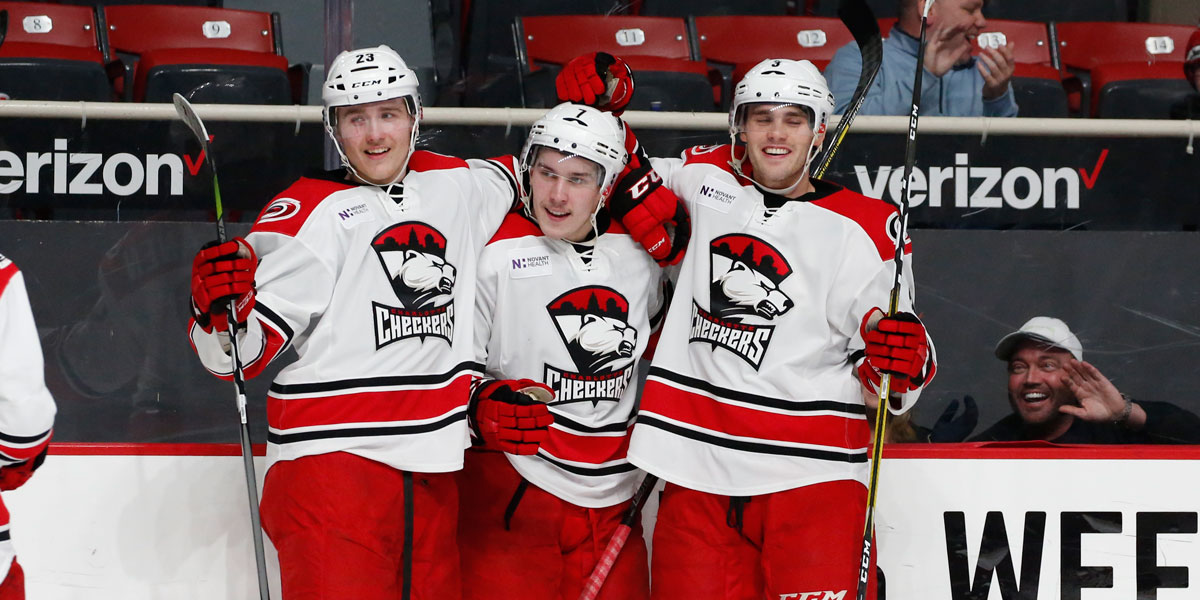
(364,76)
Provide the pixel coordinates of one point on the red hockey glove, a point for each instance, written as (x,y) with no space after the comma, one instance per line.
(651,213)
(221,272)
(896,345)
(511,420)
(15,475)
(598,79)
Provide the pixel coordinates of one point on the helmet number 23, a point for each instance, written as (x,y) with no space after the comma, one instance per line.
(363,58)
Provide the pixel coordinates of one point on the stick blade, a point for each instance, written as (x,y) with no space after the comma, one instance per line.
(859,19)
(188,114)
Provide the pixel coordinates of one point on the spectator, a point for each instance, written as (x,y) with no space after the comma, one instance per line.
(955,83)
(1058,397)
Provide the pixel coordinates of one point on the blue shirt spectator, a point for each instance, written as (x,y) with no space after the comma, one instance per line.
(955,83)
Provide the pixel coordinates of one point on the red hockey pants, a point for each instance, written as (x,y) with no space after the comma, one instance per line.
(13,586)
(800,543)
(337,521)
(550,546)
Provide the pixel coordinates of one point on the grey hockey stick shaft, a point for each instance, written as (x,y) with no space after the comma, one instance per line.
(859,19)
(192,120)
(885,384)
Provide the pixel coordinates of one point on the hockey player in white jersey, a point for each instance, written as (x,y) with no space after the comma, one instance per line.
(567,301)
(753,411)
(26,411)
(369,274)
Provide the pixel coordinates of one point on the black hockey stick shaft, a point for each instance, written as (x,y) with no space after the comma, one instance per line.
(885,384)
(608,558)
(859,19)
(192,120)
(3,26)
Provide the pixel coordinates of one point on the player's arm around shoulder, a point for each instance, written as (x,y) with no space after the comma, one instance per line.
(496,188)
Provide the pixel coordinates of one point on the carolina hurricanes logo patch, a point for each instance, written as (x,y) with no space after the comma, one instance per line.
(413,255)
(280,209)
(593,323)
(744,292)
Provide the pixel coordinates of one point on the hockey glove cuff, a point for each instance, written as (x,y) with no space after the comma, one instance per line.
(511,415)
(597,79)
(220,273)
(651,212)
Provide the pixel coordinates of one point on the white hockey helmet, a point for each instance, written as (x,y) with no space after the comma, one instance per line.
(782,81)
(369,75)
(583,131)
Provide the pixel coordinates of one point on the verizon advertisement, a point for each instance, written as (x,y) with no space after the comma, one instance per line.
(1031,183)
(998,182)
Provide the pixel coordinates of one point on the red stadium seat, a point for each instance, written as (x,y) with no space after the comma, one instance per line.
(744,41)
(207,54)
(1036,82)
(668,75)
(1031,40)
(1085,45)
(1135,90)
(52,52)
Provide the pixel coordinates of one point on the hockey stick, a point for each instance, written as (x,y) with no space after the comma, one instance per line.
(859,19)
(192,120)
(595,581)
(885,383)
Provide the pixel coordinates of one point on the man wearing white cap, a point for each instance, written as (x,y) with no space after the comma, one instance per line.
(1058,397)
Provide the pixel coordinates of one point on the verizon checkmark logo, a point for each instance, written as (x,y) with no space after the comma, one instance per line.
(193,166)
(1090,180)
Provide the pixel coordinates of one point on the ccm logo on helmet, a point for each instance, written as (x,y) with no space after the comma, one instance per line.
(359,84)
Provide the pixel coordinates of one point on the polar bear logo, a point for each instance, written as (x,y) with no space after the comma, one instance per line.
(593,322)
(413,256)
(746,274)
(749,291)
(603,342)
(423,275)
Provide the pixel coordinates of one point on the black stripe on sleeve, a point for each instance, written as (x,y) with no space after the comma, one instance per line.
(276,320)
(512,183)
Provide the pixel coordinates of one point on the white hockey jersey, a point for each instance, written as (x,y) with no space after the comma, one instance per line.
(753,389)
(376,293)
(545,314)
(26,407)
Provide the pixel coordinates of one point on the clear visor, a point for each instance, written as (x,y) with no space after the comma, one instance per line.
(551,164)
(754,116)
